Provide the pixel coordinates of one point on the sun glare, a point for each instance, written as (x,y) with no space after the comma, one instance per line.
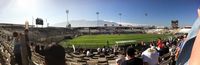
(28,7)
(28,4)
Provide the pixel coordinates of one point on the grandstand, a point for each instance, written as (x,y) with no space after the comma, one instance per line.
(43,36)
(110,30)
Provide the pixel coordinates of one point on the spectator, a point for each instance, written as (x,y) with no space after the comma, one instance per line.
(104,50)
(42,49)
(115,50)
(143,46)
(17,48)
(55,55)
(181,40)
(37,48)
(164,50)
(120,59)
(132,60)
(15,37)
(167,43)
(150,56)
(152,43)
(159,44)
(88,53)
(172,50)
(98,50)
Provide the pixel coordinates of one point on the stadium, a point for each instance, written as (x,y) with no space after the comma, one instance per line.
(99,38)
(77,39)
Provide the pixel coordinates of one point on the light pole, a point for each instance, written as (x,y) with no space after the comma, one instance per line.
(67,12)
(32,22)
(47,22)
(97,18)
(120,19)
(120,14)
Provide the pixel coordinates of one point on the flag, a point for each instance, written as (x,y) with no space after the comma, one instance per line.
(189,50)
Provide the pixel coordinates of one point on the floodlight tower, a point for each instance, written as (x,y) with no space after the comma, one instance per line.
(67,12)
(120,15)
(97,13)
(120,19)
(47,23)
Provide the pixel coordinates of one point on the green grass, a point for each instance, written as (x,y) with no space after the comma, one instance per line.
(91,41)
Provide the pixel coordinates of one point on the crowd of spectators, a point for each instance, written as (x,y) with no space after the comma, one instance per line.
(160,52)
(11,50)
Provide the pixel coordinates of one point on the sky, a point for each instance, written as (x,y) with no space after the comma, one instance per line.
(159,12)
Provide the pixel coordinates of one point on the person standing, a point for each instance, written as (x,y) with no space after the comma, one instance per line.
(17,48)
(159,44)
(132,60)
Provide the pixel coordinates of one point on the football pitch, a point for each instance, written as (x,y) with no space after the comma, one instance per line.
(101,40)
